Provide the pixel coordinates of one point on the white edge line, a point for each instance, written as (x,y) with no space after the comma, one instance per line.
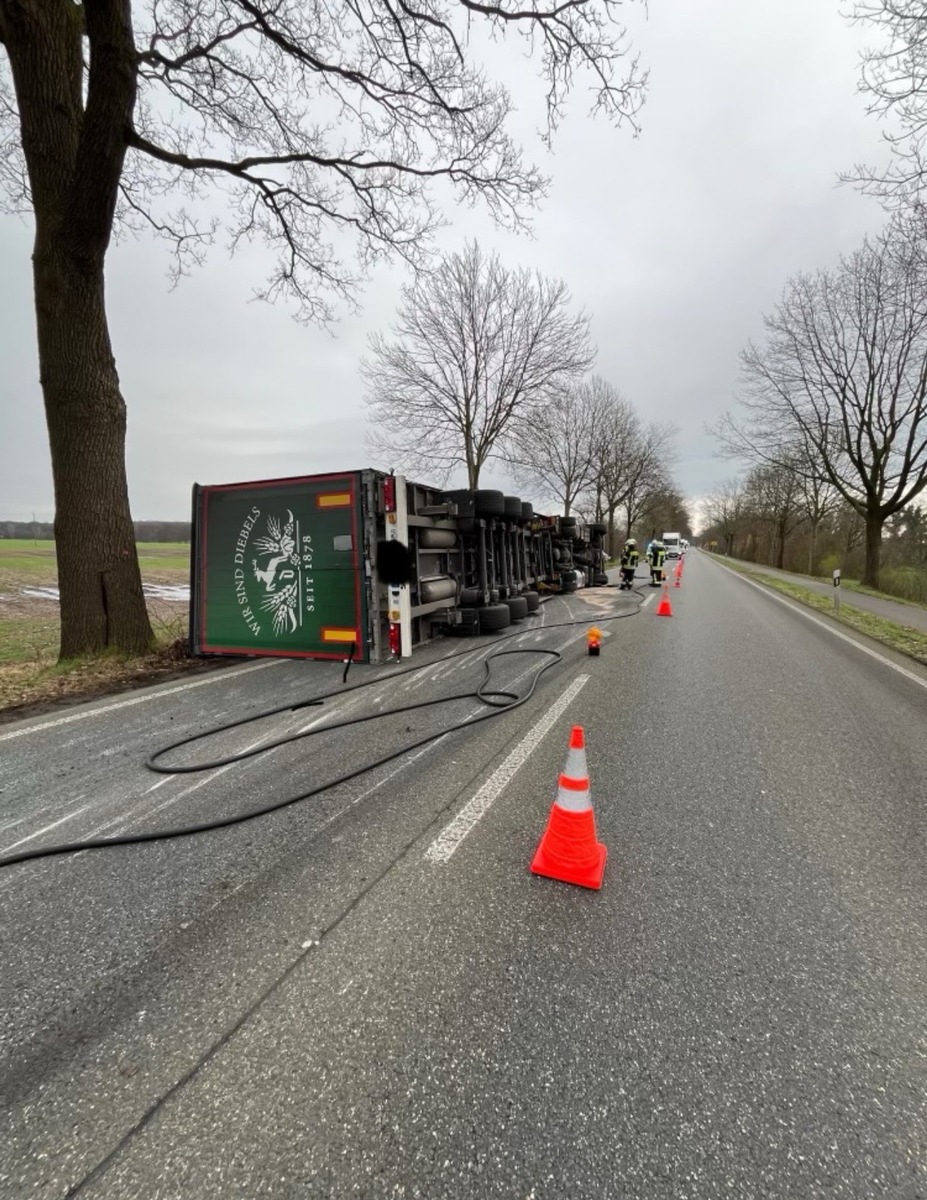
(453,834)
(84,714)
(795,606)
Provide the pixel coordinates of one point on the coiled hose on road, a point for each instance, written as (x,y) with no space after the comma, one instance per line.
(497,701)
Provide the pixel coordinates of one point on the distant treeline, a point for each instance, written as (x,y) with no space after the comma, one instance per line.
(145,531)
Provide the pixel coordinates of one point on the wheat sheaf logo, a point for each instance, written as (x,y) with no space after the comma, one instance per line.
(277,568)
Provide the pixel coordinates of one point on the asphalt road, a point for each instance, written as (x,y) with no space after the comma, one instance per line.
(319,1004)
(913,615)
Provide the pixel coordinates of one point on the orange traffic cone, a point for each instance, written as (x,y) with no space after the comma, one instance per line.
(664,608)
(568,851)
(677,574)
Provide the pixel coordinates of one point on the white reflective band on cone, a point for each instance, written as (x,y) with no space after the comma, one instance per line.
(575,768)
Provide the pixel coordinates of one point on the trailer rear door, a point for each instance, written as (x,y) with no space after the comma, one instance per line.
(277,568)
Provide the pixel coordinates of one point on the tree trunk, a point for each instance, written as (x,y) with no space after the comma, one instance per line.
(873,550)
(73,132)
(812,547)
(102,603)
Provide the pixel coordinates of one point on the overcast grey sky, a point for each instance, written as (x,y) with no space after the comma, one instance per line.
(675,242)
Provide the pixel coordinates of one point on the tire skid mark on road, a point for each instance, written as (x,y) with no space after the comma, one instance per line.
(45,828)
(103,710)
(342,705)
(181,795)
(339,708)
(7,825)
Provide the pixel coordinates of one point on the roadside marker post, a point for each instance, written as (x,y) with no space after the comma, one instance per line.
(837,590)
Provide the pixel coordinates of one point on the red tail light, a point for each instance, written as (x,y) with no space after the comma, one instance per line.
(395,639)
(389,493)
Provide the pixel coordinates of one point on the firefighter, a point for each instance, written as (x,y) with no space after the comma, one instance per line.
(629,560)
(656,556)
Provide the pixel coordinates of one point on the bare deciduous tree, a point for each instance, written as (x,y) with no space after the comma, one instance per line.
(724,511)
(560,448)
(642,475)
(614,450)
(477,351)
(665,509)
(843,374)
(894,80)
(774,494)
(817,499)
(323,125)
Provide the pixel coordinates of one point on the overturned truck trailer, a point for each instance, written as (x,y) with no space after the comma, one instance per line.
(289,567)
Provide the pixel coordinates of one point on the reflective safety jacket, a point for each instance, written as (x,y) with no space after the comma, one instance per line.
(656,556)
(630,558)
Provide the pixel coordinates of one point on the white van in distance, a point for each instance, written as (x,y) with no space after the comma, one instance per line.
(673,544)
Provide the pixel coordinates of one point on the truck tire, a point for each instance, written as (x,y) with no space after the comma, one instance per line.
(437,539)
(533,600)
(598,527)
(518,607)
(493,617)
(489,503)
(527,511)
(567,522)
(470,596)
(512,508)
(600,579)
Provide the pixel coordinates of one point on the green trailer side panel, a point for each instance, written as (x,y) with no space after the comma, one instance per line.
(279,568)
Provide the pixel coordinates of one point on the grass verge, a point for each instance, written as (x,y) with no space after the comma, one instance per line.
(902,638)
(31,679)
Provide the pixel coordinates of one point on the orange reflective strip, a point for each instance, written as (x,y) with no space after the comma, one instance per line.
(574,785)
(340,635)
(333,500)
